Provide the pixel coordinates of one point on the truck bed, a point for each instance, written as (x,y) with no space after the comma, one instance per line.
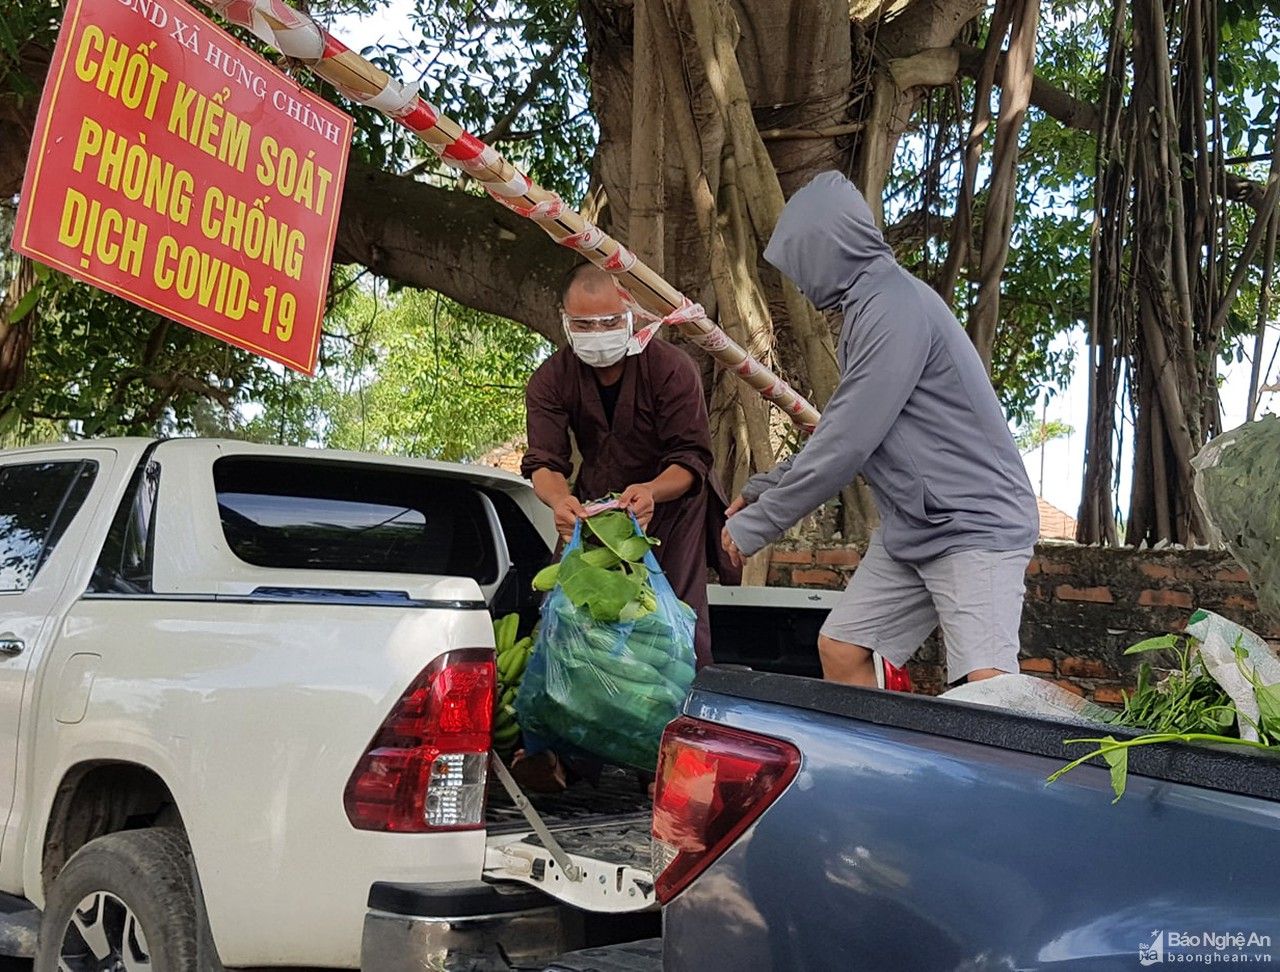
(618,795)
(609,821)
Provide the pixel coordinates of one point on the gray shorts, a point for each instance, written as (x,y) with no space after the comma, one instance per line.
(975,596)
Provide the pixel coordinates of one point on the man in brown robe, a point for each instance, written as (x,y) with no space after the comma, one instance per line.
(640,424)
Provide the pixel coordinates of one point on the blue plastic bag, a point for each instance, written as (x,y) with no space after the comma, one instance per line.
(607,688)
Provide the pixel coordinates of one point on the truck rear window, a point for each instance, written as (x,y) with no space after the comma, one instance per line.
(305,514)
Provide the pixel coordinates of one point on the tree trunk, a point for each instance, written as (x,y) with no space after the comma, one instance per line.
(16,335)
(18,117)
(1167,349)
(1109,318)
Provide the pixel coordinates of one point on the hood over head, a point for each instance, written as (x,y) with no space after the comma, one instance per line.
(826,238)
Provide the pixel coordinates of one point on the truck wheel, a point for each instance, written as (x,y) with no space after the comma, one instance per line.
(125,902)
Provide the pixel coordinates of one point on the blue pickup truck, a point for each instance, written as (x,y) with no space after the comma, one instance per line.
(801,825)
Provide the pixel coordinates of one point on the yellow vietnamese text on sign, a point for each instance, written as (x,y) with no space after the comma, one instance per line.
(186,174)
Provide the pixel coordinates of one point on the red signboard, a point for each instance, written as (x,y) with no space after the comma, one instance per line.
(175,168)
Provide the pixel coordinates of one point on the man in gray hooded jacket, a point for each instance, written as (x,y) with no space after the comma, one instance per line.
(916,415)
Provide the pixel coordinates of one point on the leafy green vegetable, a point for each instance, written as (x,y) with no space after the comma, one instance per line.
(1118,760)
(1269,710)
(1108,746)
(1187,700)
(1187,706)
(605,593)
(1163,643)
(606,575)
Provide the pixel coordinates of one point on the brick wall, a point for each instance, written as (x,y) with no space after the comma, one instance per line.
(1084,607)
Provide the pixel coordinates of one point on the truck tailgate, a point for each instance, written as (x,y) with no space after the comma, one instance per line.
(603,828)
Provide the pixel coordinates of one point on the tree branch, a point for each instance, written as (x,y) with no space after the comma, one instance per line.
(1015,96)
(1053,101)
(171,384)
(1261,224)
(536,81)
(917,226)
(796,134)
(465,246)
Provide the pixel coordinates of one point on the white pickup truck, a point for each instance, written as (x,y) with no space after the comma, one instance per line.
(274,661)
(245,718)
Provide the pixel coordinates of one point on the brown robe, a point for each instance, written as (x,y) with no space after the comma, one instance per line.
(660,420)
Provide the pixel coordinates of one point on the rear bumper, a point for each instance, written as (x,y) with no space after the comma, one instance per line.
(467,926)
(643,956)
(473,926)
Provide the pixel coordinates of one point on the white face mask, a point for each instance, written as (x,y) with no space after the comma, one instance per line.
(599,349)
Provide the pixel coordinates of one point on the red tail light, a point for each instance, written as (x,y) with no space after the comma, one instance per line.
(896,679)
(713,782)
(426,768)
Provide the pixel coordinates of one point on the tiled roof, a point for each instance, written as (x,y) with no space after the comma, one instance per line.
(1054,524)
(506,456)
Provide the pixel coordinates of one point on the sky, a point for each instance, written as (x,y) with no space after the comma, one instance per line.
(1057,470)
(1064,458)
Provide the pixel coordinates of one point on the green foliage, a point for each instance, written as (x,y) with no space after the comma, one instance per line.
(101,366)
(1034,436)
(410,373)
(1189,699)
(479,63)
(1186,706)
(29,23)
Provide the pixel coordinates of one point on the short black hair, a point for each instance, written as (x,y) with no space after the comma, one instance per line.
(587,273)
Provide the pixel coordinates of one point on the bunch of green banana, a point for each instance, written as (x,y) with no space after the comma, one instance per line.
(606,574)
(513,656)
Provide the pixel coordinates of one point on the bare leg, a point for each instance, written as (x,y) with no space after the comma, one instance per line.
(978,674)
(845,663)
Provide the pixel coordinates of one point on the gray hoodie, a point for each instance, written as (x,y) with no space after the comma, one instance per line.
(914,412)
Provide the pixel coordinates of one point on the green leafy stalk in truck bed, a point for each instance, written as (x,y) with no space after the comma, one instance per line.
(1187,700)
(1187,706)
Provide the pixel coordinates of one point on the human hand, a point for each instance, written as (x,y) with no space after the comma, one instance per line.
(638,499)
(737,505)
(568,512)
(731,548)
